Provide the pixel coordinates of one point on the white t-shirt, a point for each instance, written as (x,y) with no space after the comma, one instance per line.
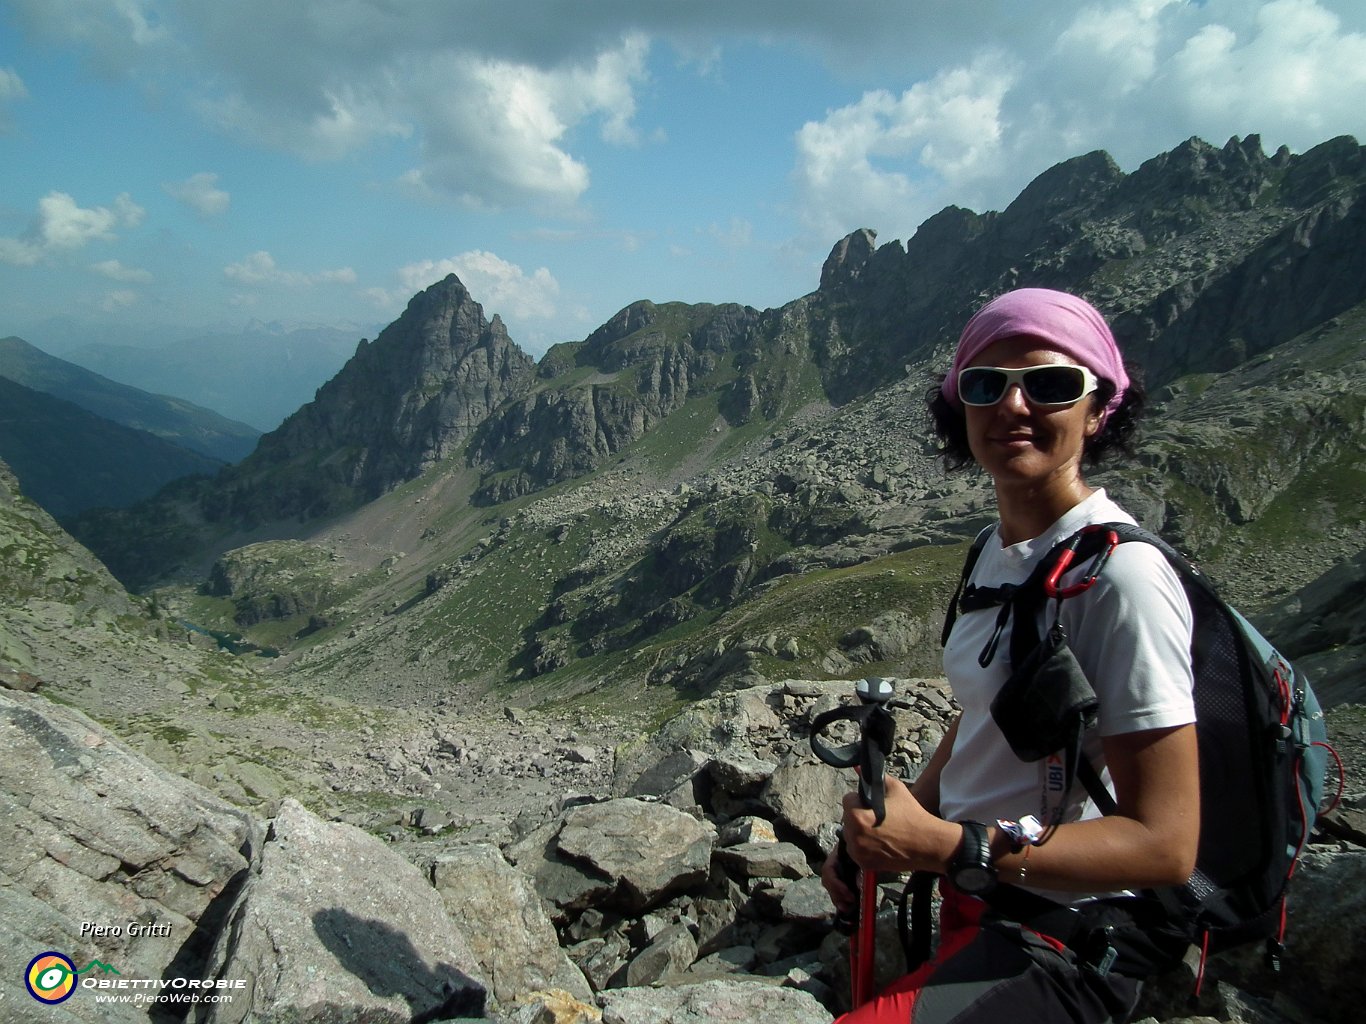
(1131,634)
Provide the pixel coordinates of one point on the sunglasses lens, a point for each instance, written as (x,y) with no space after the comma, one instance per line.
(1054,385)
(981,385)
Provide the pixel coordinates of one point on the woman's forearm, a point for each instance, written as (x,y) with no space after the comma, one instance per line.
(1151,840)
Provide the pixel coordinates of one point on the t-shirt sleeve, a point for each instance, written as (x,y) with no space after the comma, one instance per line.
(1131,634)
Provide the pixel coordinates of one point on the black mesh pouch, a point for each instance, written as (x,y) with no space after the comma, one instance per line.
(1047,702)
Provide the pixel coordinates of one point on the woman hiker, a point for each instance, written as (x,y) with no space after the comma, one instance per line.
(1037,390)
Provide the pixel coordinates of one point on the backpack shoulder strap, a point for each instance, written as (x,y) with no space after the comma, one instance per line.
(1189,574)
(1095,788)
(1192,579)
(969,563)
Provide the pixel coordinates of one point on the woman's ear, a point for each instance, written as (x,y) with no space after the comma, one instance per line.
(1095,419)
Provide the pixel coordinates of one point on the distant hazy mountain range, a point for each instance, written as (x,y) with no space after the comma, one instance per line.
(69,460)
(174,420)
(77,440)
(258,375)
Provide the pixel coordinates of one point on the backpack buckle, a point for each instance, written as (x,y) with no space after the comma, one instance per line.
(1106,963)
(1099,954)
(1069,554)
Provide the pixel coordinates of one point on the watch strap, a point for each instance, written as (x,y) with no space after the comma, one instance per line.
(976,848)
(974,857)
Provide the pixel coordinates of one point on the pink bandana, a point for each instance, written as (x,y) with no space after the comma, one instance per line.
(1063,322)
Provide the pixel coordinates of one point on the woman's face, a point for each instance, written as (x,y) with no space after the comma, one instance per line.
(1017,442)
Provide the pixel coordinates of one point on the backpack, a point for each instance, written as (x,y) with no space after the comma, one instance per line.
(1260,730)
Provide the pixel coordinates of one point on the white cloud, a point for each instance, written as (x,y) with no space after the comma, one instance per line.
(608,87)
(335,119)
(259,269)
(492,134)
(865,164)
(1133,77)
(736,235)
(200,192)
(495,110)
(497,285)
(62,225)
(18,252)
(489,100)
(11,89)
(130,214)
(11,86)
(116,271)
(1294,73)
(1110,51)
(493,131)
(119,298)
(116,36)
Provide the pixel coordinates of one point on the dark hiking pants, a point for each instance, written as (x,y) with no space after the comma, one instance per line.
(996,971)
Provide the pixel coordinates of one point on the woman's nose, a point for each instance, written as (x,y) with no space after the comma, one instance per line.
(1014,399)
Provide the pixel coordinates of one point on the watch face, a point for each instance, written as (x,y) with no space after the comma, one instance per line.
(974,879)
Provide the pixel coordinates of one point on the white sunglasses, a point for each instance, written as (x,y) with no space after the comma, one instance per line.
(1049,384)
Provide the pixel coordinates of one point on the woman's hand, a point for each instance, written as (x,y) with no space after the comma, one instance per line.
(910,838)
(844,898)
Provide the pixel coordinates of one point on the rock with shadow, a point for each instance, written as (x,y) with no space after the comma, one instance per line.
(333,926)
(107,857)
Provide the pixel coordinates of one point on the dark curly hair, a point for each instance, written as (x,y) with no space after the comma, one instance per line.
(949,423)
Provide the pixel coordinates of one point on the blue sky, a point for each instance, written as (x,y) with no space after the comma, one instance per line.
(172,166)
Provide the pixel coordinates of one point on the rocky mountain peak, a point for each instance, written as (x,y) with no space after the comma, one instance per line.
(846,259)
(1067,189)
(1229,178)
(635,317)
(648,361)
(1310,175)
(404,401)
(443,315)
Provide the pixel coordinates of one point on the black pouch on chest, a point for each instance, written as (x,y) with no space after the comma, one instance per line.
(1047,703)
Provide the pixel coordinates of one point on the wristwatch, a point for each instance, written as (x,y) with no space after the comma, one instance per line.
(971,870)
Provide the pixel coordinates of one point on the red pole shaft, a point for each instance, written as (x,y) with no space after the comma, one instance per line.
(863,945)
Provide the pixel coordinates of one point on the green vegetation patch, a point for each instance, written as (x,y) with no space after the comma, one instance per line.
(479,614)
(1329,497)
(819,608)
(816,610)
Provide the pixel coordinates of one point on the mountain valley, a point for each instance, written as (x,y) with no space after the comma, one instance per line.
(647,506)
(469,584)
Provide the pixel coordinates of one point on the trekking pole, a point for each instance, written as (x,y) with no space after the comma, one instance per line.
(869,754)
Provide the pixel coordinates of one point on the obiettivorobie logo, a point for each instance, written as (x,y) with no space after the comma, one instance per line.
(51,977)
